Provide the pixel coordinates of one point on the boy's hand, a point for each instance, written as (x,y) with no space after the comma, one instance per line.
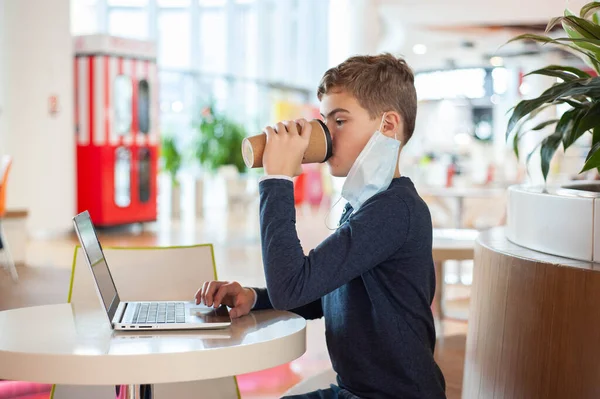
(285,147)
(232,294)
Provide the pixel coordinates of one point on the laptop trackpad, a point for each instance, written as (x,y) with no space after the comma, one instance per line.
(205,314)
(201,311)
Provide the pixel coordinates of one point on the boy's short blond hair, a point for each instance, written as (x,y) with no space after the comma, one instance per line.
(380,83)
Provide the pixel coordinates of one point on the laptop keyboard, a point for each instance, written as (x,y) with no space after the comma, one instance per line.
(154,313)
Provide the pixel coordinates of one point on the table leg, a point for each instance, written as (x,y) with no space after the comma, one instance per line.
(458,222)
(139,392)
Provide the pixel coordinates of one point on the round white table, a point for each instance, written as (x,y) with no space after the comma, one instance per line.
(57,344)
(459,194)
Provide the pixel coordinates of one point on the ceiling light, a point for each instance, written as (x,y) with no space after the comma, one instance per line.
(419,49)
(497,61)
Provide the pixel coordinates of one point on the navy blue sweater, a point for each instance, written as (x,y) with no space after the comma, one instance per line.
(373,280)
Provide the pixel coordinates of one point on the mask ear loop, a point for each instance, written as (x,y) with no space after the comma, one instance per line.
(327,216)
(381,127)
(382,122)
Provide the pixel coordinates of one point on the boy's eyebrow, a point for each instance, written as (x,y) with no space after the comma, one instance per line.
(335,111)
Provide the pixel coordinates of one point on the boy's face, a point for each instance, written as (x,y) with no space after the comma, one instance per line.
(351,128)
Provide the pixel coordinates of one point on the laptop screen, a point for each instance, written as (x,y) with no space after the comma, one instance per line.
(95,256)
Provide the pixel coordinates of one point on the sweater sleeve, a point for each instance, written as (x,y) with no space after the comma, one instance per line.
(311,311)
(370,236)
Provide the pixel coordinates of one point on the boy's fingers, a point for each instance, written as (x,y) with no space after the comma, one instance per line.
(291,127)
(270,132)
(306,128)
(281,128)
(203,293)
(198,296)
(221,293)
(210,291)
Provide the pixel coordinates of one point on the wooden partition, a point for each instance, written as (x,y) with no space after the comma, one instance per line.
(534,324)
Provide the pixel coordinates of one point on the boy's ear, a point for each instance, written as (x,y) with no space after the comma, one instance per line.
(393,126)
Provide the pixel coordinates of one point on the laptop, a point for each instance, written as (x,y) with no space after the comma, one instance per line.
(132,316)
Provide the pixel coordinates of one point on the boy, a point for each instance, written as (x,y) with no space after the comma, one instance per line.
(373,279)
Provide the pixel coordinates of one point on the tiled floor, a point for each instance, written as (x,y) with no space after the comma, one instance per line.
(235,237)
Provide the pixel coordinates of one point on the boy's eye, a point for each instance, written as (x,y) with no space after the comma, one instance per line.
(340,122)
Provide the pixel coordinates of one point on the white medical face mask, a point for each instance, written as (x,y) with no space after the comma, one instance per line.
(373,170)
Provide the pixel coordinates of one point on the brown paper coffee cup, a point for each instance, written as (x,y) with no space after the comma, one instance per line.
(318,151)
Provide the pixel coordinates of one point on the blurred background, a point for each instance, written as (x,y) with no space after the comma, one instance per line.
(136,109)
(250,63)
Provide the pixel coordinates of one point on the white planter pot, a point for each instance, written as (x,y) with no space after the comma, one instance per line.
(561,220)
(176,200)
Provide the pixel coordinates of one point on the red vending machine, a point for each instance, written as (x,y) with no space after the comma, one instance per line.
(116,120)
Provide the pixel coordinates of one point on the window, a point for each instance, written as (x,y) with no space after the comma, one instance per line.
(123,100)
(212,3)
(469,83)
(128,23)
(84,20)
(213,43)
(122,177)
(174,39)
(144,106)
(234,52)
(179,93)
(128,3)
(173,3)
(246,41)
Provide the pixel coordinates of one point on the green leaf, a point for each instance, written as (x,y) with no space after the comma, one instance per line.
(591,59)
(531,154)
(572,103)
(568,126)
(553,22)
(545,124)
(518,135)
(592,118)
(531,36)
(565,69)
(593,158)
(516,138)
(588,87)
(171,156)
(589,9)
(592,44)
(584,27)
(549,146)
(527,118)
(566,76)
(523,122)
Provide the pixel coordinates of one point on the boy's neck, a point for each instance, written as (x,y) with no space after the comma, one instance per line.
(397,171)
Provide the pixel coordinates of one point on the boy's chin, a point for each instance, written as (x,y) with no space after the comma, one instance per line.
(337,171)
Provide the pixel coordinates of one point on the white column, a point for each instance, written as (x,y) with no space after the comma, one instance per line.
(354,29)
(37,62)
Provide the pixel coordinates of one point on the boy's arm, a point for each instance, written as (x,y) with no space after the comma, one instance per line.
(311,311)
(368,238)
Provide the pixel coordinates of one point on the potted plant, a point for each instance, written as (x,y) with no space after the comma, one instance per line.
(217,149)
(574,207)
(219,141)
(171,164)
